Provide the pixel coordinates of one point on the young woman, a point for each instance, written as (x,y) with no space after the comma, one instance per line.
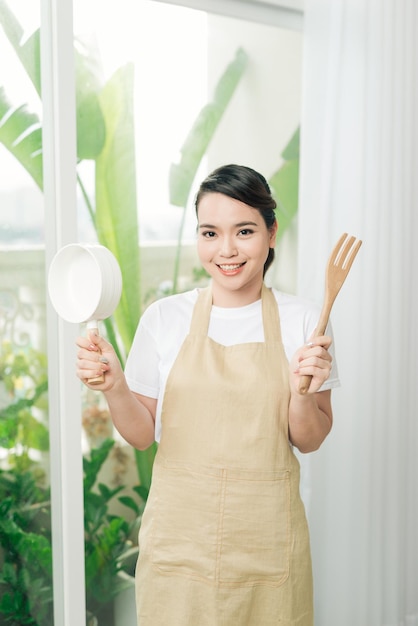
(213,376)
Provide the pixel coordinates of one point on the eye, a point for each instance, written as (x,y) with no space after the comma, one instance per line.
(246,231)
(208,234)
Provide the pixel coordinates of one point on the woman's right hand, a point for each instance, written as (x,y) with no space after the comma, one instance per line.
(97,357)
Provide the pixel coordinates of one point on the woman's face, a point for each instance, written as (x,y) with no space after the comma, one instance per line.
(233,245)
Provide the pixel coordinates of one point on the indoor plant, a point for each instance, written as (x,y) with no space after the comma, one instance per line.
(25,508)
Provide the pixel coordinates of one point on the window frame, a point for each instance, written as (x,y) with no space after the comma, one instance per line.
(282,13)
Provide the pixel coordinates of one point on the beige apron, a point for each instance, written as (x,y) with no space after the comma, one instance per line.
(224,539)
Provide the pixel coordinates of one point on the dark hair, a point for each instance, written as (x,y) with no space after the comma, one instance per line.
(244,184)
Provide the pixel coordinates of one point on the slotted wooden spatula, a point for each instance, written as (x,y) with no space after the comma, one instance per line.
(338,266)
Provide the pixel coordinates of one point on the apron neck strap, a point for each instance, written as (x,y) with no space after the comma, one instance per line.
(203,307)
(271,321)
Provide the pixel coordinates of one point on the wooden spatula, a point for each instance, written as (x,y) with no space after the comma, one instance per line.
(338,266)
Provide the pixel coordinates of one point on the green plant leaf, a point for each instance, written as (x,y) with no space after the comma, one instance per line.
(91,131)
(95,511)
(8,574)
(93,464)
(106,493)
(130,503)
(142,492)
(116,198)
(182,174)
(144,461)
(285,185)
(88,79)
(28,51)
(18,425)
(8,433)
(292,150)
(21,134)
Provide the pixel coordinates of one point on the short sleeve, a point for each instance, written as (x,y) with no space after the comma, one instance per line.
(142,364)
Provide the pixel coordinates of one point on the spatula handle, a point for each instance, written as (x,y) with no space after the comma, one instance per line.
(305,380)
(99,379)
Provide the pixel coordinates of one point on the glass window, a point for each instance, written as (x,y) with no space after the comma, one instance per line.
(26,589)
(21,206)
(207,90)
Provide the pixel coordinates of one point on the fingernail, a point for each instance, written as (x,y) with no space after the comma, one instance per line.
(104,360)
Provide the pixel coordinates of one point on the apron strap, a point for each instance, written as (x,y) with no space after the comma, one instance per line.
(271,320)
(202,310)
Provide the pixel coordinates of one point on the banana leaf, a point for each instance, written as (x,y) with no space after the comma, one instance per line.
(116,197)
(90,124)
(28,51)
(91,130)
(21,134)
(182,174)
(285,185)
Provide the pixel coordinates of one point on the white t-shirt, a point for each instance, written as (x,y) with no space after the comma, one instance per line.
(165,324)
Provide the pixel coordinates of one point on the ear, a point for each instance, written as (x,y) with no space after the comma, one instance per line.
(273,234)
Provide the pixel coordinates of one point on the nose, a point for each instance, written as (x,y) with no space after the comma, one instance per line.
(228,248)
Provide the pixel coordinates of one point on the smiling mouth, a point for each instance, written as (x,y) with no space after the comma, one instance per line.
(230,267)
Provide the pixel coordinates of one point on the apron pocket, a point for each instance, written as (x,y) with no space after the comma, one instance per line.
(228,527)
(185,519)
(255,528)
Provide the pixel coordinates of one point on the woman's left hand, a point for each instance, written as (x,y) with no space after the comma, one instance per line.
(312,359)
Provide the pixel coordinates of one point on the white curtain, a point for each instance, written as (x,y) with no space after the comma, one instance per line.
(359,159)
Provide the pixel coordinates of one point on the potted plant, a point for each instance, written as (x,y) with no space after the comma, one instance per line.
(25,507)
(26,583)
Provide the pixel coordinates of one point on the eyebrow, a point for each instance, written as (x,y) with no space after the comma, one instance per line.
(239,225)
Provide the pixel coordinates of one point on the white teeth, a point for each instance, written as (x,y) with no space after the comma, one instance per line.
(228,268)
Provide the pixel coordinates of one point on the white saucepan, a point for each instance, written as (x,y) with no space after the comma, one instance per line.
(84,284)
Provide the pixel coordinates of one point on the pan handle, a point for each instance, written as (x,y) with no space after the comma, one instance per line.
(96,380)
